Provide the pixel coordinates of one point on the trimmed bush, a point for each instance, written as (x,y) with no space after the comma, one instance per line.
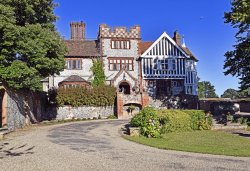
(153,122)
(199,120)
(80,96)
(148,122)
(174,121)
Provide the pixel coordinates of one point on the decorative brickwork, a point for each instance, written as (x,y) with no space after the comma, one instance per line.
(119,105)
(145,99)
(123,101)
(119,32)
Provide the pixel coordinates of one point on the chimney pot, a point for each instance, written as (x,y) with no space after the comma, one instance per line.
(77,30)
(177,38)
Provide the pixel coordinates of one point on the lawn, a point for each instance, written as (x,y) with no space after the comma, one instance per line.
(210,142)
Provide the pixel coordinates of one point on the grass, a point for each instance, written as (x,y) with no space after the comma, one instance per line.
(210,142)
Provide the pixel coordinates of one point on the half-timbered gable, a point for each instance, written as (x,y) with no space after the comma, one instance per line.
(168,68)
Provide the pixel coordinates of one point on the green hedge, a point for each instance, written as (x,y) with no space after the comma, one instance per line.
(199,120)
(174,121)
(80,96)
(152,122)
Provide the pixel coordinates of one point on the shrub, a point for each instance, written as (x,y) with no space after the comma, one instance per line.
(80,96)
(199,120)
(148,122)
(174,121)
(242,120)
(111,117)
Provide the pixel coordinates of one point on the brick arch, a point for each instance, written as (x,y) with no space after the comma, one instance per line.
(123,82)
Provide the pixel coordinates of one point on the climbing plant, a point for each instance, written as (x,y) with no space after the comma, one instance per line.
(97,69)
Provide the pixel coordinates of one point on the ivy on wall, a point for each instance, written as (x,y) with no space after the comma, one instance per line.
(97,96)
(99,75)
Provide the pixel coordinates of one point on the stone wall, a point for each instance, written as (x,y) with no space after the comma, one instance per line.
(175,102)
(69,112)
(219,106)
(16,110)
(15,117)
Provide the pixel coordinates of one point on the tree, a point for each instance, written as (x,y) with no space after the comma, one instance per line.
(237,61)
(206,90)
(231,93)
(99,75)
(30,47)
(234,94)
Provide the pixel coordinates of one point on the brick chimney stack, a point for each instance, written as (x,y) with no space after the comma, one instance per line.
(77,30)
(177,38)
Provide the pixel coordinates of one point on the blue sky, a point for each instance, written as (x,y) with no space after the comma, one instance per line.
(200,21)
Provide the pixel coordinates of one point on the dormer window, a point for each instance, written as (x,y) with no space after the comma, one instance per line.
(120,44)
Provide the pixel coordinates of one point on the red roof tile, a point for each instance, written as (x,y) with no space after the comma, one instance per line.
(143,46)
(84,48)
(188,52)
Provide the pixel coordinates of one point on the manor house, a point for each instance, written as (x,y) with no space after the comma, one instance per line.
(144,73)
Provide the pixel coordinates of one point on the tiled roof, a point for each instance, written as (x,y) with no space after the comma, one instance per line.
(143,46)
(84,48)
(74,78)
(187,51)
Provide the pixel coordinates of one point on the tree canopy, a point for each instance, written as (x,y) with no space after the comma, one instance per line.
(206,90)
(234,94)
(30,47)
(237,61)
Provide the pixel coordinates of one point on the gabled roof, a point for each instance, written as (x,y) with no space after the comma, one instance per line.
(164,35)
(83,48)
(189,53)
(146,47)
(74,78)
(143,46)
(123,71)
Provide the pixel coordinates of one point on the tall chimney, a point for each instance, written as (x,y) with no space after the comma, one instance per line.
(177,38)
(77,30)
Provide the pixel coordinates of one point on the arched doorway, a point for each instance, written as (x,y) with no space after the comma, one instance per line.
(124,87)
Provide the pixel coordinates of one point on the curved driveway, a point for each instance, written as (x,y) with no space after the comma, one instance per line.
(97,145)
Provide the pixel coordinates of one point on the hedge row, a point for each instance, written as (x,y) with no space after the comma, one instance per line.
(80,96)
(153,122)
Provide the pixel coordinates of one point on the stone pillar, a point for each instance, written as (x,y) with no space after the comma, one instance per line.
(144,99)
(119,105)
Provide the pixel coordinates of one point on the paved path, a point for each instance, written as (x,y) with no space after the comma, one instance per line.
(97,145)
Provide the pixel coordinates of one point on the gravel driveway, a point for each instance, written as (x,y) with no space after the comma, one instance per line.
(97,145)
